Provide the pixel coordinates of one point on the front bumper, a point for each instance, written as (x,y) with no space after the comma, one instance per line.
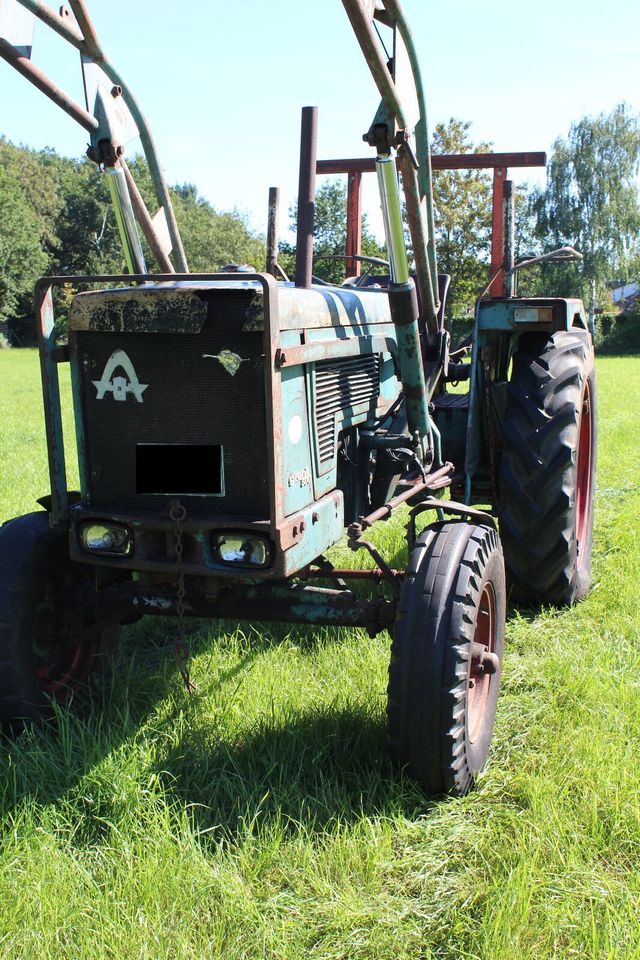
(294,543)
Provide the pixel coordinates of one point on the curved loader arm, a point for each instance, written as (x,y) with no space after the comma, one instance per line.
(403,111)
(111,117)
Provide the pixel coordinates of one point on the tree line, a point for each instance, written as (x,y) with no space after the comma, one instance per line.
(56,218)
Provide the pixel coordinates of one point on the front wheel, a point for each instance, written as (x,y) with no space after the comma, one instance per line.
(49,645)
(446,654)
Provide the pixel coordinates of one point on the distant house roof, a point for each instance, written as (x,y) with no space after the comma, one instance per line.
(626,296)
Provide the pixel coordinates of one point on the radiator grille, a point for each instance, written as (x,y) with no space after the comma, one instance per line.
(190,399)
(351,385)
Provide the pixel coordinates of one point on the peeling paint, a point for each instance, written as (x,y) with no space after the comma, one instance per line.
(140,310)
(157,603)
(255,314)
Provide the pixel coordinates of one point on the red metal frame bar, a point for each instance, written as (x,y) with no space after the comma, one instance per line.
(442,161)
(354,222)
(497,287)
(498,162)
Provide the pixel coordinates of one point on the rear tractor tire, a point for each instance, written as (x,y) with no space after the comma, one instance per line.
(48,645)
(446,655)
(547,470)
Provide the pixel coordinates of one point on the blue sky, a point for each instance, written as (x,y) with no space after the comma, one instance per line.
(222,84)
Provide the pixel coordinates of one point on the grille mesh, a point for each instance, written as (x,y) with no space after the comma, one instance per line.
(350,383)
(189,399)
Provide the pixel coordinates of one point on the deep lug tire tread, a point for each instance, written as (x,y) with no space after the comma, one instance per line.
(538,472)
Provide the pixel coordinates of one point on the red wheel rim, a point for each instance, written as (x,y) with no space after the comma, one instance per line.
(63,670)
(62,661)
(584,475)
(479,681)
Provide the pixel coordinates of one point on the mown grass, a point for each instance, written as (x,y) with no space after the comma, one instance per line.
(260,818)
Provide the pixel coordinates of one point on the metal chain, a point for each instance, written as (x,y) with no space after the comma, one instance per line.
(178,514)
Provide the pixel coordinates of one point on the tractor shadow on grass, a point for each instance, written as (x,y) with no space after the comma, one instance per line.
(314,770)
(293,768)
(47,761)
(300,769)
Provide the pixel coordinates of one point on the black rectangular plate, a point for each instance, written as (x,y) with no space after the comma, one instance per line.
(179,468)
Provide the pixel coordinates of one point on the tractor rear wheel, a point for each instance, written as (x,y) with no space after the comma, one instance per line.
(446,653)
(547,470)
(48,645)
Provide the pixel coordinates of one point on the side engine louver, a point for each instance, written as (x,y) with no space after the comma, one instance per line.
(346,388)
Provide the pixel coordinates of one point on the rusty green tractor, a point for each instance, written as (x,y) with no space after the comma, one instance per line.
(233,427)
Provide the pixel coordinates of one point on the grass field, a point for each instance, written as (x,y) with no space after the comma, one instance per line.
(260,818)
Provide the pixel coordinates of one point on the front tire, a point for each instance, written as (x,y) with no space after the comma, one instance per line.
(547,470)
(446,653)
(48,645)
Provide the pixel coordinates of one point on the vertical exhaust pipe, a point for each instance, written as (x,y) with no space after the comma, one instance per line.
(306,196)
(272,232)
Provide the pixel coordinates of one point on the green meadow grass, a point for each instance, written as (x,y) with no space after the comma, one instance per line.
(260,818)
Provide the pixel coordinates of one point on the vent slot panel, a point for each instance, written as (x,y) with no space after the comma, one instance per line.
(351,387)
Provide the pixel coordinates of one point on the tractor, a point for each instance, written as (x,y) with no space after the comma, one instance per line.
(233,427)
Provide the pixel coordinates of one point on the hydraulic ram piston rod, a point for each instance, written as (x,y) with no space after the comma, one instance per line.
(126,220)
(392,217)
(403,304)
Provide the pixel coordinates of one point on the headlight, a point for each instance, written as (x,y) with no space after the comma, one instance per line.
(242,550)
(533,315)
(108,539)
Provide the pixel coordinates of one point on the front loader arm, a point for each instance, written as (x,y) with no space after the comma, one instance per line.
(403,112)
(111,117)
(393,135)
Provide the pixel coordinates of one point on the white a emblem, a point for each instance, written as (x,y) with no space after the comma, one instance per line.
(119,386)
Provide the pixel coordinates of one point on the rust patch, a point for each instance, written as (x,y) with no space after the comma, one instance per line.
(138,311)
(255,314)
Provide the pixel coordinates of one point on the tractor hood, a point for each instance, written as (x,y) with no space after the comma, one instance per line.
(181,307)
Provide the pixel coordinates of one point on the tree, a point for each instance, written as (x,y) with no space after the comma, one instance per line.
(36,175)
(22,258)
(212,238)
(591,202)
(70,218)
(87,233)
(57,218)
(462,200)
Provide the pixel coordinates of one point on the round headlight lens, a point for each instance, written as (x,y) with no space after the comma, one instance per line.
(106,538)
(242,550)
